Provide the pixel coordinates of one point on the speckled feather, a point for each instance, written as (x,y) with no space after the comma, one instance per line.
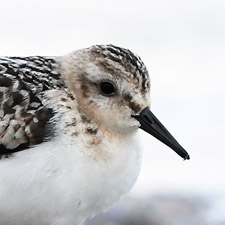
(23,116)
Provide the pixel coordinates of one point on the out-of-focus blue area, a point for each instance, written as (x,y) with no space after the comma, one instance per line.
(165,209)
(183,45)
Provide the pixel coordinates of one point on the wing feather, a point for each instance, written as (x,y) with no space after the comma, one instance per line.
(24,120)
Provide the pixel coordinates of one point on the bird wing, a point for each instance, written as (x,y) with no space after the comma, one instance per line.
(24,120)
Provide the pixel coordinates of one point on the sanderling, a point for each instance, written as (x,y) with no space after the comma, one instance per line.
(68,133)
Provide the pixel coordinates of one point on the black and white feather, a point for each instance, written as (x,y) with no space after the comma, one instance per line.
(24,118)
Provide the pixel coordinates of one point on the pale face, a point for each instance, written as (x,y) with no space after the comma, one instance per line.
(111,99)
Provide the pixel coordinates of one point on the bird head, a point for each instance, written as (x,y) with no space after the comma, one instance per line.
(112,87)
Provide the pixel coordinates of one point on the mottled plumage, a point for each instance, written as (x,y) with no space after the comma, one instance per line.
(24,118)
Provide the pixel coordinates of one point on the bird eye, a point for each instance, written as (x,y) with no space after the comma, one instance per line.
(107,88)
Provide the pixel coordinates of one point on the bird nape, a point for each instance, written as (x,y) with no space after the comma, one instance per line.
(69,140)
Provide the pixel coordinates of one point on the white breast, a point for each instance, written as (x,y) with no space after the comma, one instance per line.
(58,183)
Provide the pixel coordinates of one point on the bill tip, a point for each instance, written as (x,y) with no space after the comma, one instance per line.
(187,157)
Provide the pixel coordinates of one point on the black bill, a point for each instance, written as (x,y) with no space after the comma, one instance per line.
(152,125)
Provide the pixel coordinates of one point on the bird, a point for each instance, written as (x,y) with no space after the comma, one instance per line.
(69,133)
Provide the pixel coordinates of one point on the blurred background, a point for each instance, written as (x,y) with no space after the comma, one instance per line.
(183,45)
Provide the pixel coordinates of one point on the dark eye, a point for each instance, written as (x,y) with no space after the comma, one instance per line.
(107,88)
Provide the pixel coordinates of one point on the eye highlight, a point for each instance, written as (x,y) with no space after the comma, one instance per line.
(107,88)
